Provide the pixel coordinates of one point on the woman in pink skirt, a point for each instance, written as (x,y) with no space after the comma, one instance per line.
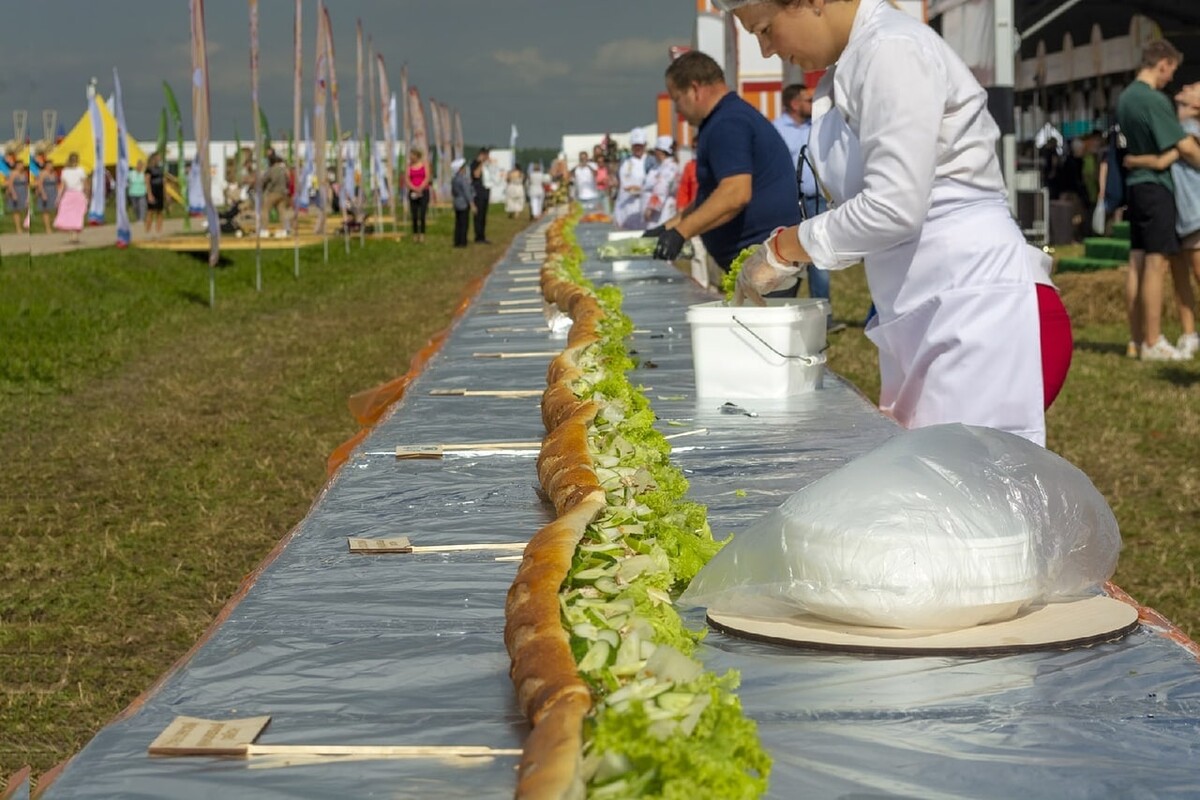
(73,198)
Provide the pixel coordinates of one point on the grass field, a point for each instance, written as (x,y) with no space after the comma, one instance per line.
(156,450)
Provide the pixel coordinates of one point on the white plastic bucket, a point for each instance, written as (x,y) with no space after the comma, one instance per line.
(762,352)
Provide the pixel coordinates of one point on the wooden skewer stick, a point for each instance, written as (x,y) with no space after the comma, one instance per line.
(385,751)
(403,545)
(537,354)
(487,392)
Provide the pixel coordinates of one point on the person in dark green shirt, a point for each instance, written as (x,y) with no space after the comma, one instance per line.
(1150,127)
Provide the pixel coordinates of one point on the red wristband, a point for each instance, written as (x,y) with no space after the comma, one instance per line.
(774,242)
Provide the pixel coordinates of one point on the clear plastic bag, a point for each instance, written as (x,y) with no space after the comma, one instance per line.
(942,527)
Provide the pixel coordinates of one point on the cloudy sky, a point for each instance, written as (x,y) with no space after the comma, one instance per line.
(549,66)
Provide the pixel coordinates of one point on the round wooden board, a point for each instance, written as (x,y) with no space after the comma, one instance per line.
(1051,627)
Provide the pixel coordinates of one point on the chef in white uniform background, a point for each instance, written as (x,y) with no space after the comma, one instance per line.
(661,183)
(631,177)
(969,327)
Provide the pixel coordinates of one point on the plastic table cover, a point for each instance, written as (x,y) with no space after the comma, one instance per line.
(341,648)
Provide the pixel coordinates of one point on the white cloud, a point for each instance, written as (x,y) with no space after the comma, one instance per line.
(529,66)
(633,55)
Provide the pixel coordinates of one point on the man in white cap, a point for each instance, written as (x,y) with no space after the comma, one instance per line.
(631,177)
(661,182)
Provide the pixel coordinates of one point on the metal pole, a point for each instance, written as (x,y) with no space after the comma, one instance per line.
(1001,95)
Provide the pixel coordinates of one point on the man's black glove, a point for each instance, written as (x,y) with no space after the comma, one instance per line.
(669,245)
(655,232)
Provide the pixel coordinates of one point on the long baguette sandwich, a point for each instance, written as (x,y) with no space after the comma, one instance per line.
(603,666)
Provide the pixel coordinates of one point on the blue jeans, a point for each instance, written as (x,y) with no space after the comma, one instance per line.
(818,279)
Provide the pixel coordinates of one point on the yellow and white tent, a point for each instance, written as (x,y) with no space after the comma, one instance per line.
(79,140)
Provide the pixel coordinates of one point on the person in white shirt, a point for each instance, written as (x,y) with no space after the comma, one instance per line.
(583,178)
(661,183)
(73,199)
(969,327)
(537,190)
(631,177)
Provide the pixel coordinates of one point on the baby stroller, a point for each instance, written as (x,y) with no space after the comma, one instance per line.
(237,218)
(354,218)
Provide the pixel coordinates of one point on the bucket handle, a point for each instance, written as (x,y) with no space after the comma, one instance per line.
(808,361)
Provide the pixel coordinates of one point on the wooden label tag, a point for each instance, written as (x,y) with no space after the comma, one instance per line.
(400,544)
(419,451)
(190,736)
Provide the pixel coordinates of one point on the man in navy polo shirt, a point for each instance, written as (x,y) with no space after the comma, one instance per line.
(747,181)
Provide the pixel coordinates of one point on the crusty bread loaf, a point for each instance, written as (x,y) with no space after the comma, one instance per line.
(549,689)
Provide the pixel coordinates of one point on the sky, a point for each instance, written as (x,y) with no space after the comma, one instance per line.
(550,67)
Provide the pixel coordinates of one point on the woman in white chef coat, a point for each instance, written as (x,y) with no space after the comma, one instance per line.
(661,184)
(969,327)
(631,177)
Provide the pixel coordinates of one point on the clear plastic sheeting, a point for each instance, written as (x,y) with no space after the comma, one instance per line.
(940,528)
(341,648)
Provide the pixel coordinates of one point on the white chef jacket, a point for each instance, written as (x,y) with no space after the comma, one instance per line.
(905,150)
(900,87)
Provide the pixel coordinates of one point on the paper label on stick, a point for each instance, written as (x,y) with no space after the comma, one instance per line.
(400,544)
(187,736)
(418,451)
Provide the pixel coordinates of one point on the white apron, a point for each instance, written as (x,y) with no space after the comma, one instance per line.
(957,322)
(658,193)
(628,211)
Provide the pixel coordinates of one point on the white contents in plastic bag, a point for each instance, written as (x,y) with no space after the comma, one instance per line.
(940,528)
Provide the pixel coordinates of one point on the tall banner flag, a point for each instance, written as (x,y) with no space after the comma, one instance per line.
(123,235)
(173,106)
(447,143)
(257,116)
(373,139)
(435,164)
(331,65)
(407,130)
(95,215)
(201,125)
(512,140)
(306,174)
(358,94)
(393,177)
(300,198)
(318,141)
(416,116)
(459,147)
(387,115)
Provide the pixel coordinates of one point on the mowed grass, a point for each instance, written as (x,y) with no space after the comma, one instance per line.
(1132,427)
(155,450)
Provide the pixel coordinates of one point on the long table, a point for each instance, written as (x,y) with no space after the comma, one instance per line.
(344,648)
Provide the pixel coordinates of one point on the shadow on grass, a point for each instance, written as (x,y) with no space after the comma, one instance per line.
(1179,376)
(194,297)
(1104,348)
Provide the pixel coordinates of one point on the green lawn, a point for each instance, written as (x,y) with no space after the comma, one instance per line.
(155,450)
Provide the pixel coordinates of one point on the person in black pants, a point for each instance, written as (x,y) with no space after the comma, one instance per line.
(478,166)
(463,196)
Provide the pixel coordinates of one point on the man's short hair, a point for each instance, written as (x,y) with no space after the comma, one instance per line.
(695,67)
(1159,49)
(791,92)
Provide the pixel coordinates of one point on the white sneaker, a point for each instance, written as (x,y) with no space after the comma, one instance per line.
(1160,351)
(1188,345)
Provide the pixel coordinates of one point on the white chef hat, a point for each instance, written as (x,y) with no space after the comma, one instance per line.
(664,143)
(457,164)
(637,136)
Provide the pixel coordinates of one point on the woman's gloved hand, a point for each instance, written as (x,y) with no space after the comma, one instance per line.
(765,272)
